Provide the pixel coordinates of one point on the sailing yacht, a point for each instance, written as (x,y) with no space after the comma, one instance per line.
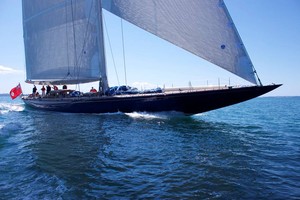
(64,44)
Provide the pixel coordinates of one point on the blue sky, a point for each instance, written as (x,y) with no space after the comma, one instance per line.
(270,30)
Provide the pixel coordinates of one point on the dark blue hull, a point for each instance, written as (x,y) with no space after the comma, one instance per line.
(191,102)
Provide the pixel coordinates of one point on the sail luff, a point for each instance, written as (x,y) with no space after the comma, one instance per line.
(25,38)
(240,39)
(200,27)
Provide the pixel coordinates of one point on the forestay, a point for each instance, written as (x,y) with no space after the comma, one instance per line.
(63,41)
(202,27)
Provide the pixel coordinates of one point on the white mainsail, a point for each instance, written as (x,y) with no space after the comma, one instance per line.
(203,27)
(63,41)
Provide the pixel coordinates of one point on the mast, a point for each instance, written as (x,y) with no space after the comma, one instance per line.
(103,82)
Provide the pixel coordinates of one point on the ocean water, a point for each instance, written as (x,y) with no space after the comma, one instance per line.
(246,151)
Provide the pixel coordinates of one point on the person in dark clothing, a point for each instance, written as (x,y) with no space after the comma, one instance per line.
(48,89)
(34,90)
(64,87)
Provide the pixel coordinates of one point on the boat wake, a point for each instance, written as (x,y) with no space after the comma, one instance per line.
(159,115)
(9,107)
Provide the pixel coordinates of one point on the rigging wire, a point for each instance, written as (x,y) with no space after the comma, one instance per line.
(80,58)
(77,60)
(123,43)
(68,59)
(67,33)
(259,81)
(112,55)
(74,36)
(68,75)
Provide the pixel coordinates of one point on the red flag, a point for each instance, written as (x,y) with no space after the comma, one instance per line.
(16,91)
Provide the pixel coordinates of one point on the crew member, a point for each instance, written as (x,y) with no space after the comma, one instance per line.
(48,89)
(93,90)
(43,91)
(34,91)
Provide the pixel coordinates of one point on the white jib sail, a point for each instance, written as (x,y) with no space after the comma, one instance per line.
(202,27)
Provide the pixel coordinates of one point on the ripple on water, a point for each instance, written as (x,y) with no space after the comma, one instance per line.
(241,153)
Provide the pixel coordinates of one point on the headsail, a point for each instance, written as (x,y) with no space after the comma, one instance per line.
(202,27)
(63,41)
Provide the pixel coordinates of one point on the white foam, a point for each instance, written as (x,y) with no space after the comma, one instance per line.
(158,115)
(141,115)
(9,107)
